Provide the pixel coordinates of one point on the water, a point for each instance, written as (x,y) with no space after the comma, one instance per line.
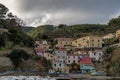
(25,78)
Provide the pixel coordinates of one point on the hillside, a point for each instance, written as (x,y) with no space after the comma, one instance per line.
(68,31)
(75,31)
(113,65)
(27,29)
(40,31)
(11,34)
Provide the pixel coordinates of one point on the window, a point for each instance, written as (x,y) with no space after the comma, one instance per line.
(54,64)
(98,40)
(66,42)
(98,45)
(69,61)
(59,64)
(75,41)
(93,40)
(73,61)
(60,42)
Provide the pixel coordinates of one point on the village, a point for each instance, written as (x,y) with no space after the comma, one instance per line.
(77,56)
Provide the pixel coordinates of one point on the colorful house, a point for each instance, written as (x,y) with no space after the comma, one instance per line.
(63,42)
(60,55)
(88,41)
(86,65)
(96,55)
(87,68)
(85,60)
(39,51)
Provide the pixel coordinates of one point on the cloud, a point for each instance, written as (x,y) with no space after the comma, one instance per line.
(40,12)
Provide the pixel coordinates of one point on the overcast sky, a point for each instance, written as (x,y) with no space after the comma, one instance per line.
(40,12)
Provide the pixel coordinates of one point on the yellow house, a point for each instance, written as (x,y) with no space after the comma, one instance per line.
(88,41)
(49,56)
(117,33)
(63,42)
(109,36)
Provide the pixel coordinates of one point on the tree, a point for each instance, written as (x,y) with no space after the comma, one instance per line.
(74,67)
(3,11)
(17,55)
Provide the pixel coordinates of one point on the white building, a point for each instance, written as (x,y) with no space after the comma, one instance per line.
(60,55)
(72,58)
(58,66)
(97,55)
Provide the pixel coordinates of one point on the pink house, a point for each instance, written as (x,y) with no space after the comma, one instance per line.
(85,60)
(39,51)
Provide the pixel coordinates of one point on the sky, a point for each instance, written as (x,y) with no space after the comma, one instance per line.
(70,12)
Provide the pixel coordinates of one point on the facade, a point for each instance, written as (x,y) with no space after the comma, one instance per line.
(109,36)
(117,34)
(84,60)
(63,42)
(88,41)
(97,55)
(40,51)
(80,52)
(58,66)
(72,58)
(87,68)
(49,56)
(75,58)
(60,55)
(86,65)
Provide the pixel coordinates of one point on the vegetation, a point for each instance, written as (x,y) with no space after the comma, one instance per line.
(113,64)
(74,68)
(11,33)
(17,56)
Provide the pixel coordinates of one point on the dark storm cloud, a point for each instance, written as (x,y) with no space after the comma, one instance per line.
(37,12)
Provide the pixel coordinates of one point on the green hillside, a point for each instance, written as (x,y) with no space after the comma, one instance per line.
(75,30)
(40,31)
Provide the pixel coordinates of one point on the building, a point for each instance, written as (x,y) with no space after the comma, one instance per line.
(88,41)
(49,56)
(108,36)
(85,59)
(75,58)
(60,55)
(42,44)
(117,34)
(64,42)
(96,55)
(58,66)
(87,68)
(72,58)
(86,65)
(40,51)
(80,52)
